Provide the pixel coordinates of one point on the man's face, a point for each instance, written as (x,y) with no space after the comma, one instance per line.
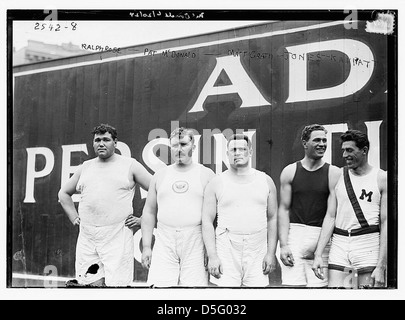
(353,156)
(182,149)
(104,145)
(316,145)
(238,153)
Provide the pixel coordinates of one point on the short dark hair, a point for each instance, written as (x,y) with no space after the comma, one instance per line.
(360,138)
(306,132)
(103,128)
(239,136)
(182,132)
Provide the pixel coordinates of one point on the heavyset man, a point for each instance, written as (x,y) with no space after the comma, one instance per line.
(104,251)
(241,250)
(306,190)
(174,202)
(359,225)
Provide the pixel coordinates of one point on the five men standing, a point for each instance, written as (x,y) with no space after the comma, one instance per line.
(319,204)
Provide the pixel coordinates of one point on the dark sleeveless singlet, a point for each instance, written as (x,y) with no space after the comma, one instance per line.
(310,191)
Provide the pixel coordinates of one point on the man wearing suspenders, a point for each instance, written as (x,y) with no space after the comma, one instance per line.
(358,225)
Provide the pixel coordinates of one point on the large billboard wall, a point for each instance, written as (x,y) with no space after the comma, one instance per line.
(269,80)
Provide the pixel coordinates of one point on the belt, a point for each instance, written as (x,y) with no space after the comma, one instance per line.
(223,230)
(357,232)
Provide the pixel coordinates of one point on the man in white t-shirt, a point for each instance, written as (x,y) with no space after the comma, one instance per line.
(241,249)
(104,251)
(174,205)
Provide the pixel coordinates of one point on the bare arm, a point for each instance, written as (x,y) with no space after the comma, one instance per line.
(283,218)
(269,263)
(148,222)
(141,175)
(206,176)
(65,197)
(328,222)
(379,272)
(208,216)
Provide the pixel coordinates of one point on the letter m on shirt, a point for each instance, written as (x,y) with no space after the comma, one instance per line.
(364,194)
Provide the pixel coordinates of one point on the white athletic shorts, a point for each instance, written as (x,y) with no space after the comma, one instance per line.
(242,257)
(302,241)
(105,252)
(178,258)
(359,252)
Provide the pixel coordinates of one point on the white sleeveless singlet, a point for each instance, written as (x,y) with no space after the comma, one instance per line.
(106,192)
(180,198)
(242,208)
(368,196)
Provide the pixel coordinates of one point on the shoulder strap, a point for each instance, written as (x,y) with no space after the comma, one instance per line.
(353,199)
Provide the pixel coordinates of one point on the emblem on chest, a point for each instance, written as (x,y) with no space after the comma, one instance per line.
(180,186)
